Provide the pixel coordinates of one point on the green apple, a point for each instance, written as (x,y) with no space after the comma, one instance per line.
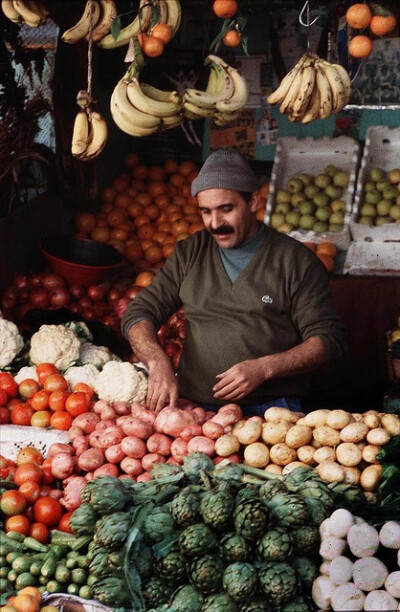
(321,199)
(335,227)
(283,196)
(337,205)
(322,180)
(382,185)
(307,208)
(376,174)
(277,220)
(370,186)
(366,220)
(330,170)
(285,228)
(304,177)
(341,179)
(383,207)
(394,176)
(307,222)
(336,218)
(390,193)
(333,192)
(297,198)
(395,212)
(372,197)
(382,220)
(320,226)
(283,208)
(294,185)
(368,210)
(293,218)
(311,191)
(322,213)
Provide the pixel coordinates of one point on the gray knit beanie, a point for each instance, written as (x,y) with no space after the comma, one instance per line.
(225,169)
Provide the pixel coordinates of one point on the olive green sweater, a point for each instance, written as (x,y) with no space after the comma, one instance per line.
(280,299)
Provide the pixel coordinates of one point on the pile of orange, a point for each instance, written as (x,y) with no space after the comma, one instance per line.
(360,17)
(145,211)
(325,251)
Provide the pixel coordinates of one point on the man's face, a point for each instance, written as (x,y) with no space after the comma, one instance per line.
(227,216)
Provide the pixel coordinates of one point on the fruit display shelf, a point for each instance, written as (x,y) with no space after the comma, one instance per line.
(380,155)
(312,156)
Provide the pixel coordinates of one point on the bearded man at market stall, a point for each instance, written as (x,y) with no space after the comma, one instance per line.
(258,308)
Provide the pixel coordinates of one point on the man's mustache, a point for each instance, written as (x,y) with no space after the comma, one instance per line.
(222,229)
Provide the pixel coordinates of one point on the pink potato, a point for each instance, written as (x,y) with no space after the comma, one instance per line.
(191,431)
(172,421)
(88,476)
(232,408)
(72,493)
(99,406)
(133,447)
(101,425)
(149,460)
(74,431)
(91,459)
(201,444)
(124,476)
(159,443)
(179,449)
(86,421)
(108,469)
(143,413)
(212,430)
(95,439)
(210,414)
(144,477)
(225,418)
(59,447)
(121,408)
(172,460)
(199,415)
(134,426)
(111,435)
(62,465)
(131,466)
(114,453)
(80,444)
(108,413)
(120,420)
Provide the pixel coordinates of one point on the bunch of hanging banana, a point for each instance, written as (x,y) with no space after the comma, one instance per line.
(313,89)
(139,109)
(90,132)
(168,11)
(225,95)
(32,13)
(96,18)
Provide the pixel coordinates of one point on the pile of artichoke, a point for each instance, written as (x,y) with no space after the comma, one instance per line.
(205,538)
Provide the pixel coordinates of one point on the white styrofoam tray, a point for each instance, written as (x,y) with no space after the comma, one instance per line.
(381,150)
(15,437)
(312,155)
(373,259)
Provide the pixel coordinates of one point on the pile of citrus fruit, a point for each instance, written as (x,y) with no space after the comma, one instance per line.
(377,22)
(325,251)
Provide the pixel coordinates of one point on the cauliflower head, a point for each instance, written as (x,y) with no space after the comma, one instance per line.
(93,354)
(121,381)
(54,344)
(81,374)
(11,342)
(26,372)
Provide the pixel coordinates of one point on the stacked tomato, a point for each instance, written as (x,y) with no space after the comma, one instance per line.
(31,507)
(47,403)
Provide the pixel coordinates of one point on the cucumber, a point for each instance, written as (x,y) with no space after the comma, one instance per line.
(73,589)
(36,567)
(85,592)
(42,588)
(15,535)
(3,560)
(43,580)
(54,587)
(91,580)
(82,561)
(59,551)
(34,544)
(5,586)
(12,575)
(22,564)
(5,549)
(25,579)
(49,567)
(72,554)
(71,563)
(11,556)
(79,575)
(4,569)
(62,574)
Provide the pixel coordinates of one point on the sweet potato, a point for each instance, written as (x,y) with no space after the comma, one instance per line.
(91,459)
(159,443)
(131,466)
(133,447)
(201,444)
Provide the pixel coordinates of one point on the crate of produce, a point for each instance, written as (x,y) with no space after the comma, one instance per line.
(310,157)
(376,210)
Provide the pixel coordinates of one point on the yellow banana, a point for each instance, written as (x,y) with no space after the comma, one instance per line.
(305,91)
(339,95)
(97,137)
(10,12)
(277,96)
(80,134)
(160,94)
(90,18)
(174,15)
(138,98)
(140,23)
(312,112)
(240,93)
(107,13)
(29,16)
(199,112)
(171,121)
(128,118)
(325,94)
(222,119)
(344,75)
(224,91)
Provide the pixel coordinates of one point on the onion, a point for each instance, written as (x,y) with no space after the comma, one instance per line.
(132,292)
(77,291)
(74,308)
(85,302)
(39,298)
(121,305)
(88,314)
(113,295)
(110,320)
(35,280)
(7,302)
(96,293)
(59,298)
(53,281)
(20,281)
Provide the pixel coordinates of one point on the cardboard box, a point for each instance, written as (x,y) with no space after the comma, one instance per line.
(382,150)
(312,155)
(373,259)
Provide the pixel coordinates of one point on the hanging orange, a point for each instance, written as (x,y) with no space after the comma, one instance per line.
(360,46)
(232,38)
(359,16)
(381,25)
(163,32)
(225,8)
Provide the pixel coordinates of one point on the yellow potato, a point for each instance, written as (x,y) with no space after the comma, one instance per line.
(370,477)
(298,435)
(256,455)
(351,475)
(281,454)
(354,432)
(306,454)
(326,435)
(378,436)
(348,454)
(370,452)
(391,422)
(338,419)
(276,413)
(371,419)
(325,453)
(273,468)
(330,471)
(226,445)
(249,433)
(292,466)
(274,432)
(317,418)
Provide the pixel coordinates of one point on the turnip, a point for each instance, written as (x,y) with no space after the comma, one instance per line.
(325,568)
(340,522)
(347,597)
(389,534)
(341,570)
(380,600)
(363,540)
(322,591)
(369,573)
(332,547)
(325,528)
(392,584)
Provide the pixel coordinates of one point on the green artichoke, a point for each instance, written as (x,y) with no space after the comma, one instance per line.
(144,562)
(298,477)
(156,591)
(158,524)
(106,494)
(196,463)
(171,567)
(83,520)
(197,539)
(111,591)
(164,470)
(247,492)
(216,508)
(234,547)
(305,540)
(307,571)
(255,605)
(116,559)
(240,580)
(112,530)
(272,487)
(187,599)
(229,473)
(317,511)
(298,604)
(316,489)
(219,602)
(288,510)
(185,507)
(275,545)
(205,573)
(98,561)
(251,518)
(279,582)
(347,496)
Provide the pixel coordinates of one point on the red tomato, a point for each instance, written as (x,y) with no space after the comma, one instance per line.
(28,472)
(8,384)
(77,403)
(43,370)
(80,386)
(40,532)
(28,387)
(21,414)
(41,418)
(47,510)
(3,398)
(55,382)
(19,523)
(12,502)
(48,477)
(57,400)
(30,490)
(40,400)
(61,420)
(64,525)
(4,415)
(29,454)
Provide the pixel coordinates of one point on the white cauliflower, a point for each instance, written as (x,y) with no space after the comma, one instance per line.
(93,354)
(11,342)
(121,381)
(54,344)
(26,372)
(87,373)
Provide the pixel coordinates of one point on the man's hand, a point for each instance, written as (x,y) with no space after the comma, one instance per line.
(162,386)
(239,380)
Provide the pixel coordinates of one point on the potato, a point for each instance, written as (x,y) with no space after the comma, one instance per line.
(249,433)
(256,455)
(237,426)
(370,477)
(274,432)
(292,466)
(330,471)
(306,454)
(348,454)
(315,443)
(273,469)
(371,419)
(357,416)
(378,436)
(281,454)
(372,498)
(226,445)
(301,421)
(276,413)
(338,419)
(325,453)
(351,475)
(370,452)
(298,435)
(326,435)
(391,422)
(316,418)
(355,432)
